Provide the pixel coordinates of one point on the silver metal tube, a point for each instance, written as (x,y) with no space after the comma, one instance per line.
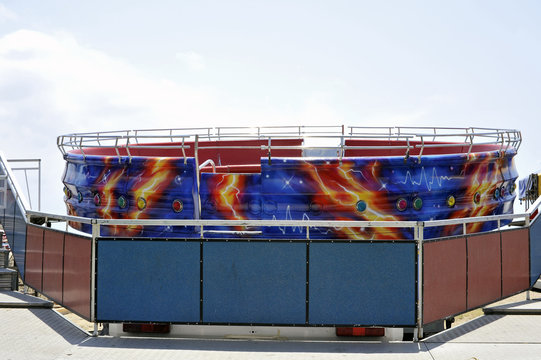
(95,235)
(207,162)
(59,217)
(281,223)
(419,241)
(197,176)
(27,188)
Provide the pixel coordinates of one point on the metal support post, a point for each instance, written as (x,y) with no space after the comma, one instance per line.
(419,233)
(39,184)
(95,235)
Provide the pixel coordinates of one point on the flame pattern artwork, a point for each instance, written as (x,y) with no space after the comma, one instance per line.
(357,188)
(103,187)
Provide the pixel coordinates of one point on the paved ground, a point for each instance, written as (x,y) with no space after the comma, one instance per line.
(41,333)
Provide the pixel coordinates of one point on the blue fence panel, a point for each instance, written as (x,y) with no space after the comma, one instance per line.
(254,282)
(19,248)
(148,280)
(14,224)
(8,222)
(535,251)
(362,283)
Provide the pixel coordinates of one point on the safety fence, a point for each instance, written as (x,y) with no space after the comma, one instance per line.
(308,282)
(467,272)
(280,140)
(12,213)
(58,264)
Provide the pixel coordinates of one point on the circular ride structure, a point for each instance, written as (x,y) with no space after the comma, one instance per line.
(290,173)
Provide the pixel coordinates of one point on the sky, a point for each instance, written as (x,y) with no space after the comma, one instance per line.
(74,66)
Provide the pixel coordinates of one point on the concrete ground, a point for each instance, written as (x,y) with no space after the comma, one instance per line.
(42,333)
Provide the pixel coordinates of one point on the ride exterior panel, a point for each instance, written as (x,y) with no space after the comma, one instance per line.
(397,179)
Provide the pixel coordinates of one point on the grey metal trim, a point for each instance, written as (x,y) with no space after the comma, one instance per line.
(505,138)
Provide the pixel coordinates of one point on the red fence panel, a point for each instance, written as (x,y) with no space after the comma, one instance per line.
(444,278)
(53,249)
(484,271)
(58,265)
(34,257)
(515,261)
(77,257)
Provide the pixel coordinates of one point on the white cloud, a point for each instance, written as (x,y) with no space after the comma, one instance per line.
(192,59)
(52,85)
(81,88)
(6,14)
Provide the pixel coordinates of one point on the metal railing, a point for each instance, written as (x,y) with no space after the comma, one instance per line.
(12,184)
(417,226)
(35,165)
(123,142)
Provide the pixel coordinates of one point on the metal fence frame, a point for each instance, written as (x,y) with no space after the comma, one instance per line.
(418,227)
(121,141)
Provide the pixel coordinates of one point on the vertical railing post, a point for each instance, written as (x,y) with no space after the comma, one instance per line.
(95,235)
(39,184)
(197,179)
(419,234)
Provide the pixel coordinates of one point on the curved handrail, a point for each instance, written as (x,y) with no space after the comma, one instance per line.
(504,139)
(207,162)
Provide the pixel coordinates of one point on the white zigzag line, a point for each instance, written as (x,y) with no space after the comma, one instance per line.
(435,177)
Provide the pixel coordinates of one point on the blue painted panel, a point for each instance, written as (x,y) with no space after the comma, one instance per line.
(221,198)
(535,251)
(159,181)
(254,282)
(362,283)
(19,248)
(148,281)
(14,225)
(331,189)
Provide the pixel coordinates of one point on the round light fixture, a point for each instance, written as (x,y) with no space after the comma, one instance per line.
(255,207)
(122,202)
(67,192)
(315,207)
(477,198)
(141,203)
(417,203)
(401,204)
(361,205)
(97,199)
(178,206)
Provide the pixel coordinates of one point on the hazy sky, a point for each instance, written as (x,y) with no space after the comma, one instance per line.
(71,66)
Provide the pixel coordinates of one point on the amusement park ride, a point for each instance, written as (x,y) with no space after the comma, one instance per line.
(280,231)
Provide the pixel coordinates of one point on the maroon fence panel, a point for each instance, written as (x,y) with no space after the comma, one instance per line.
(515,261)
(444,275)
(484,269)
(34,257)
(77,257)
(53,249)
(58,266)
